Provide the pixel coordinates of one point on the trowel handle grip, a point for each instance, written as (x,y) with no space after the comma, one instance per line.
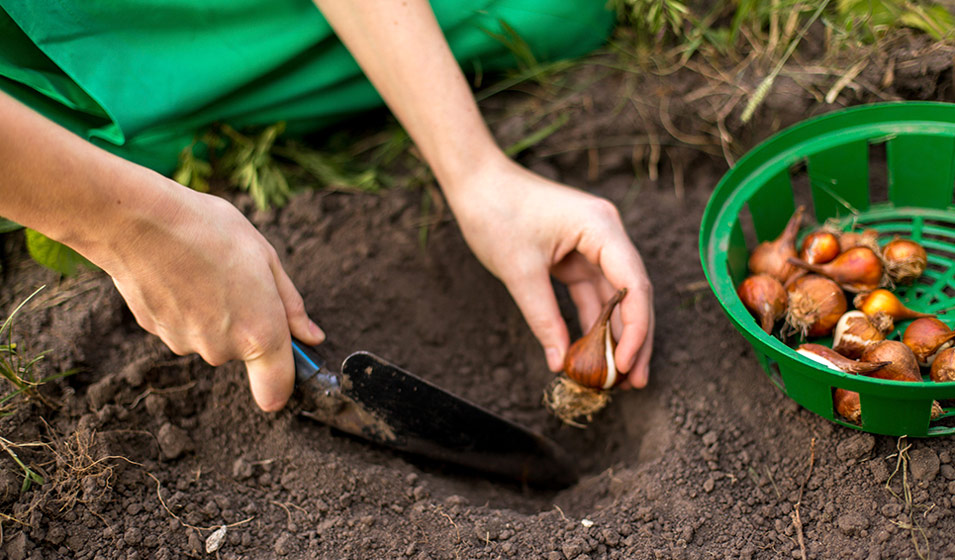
(308,362)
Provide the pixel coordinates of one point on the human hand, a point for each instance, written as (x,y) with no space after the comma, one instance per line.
(525,228)
(197,274)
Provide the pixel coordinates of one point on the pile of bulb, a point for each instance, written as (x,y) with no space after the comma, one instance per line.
(806,289)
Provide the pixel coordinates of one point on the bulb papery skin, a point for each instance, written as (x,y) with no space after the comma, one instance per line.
(848,405)
(815,305)
(819,247)
(943,368)
(905,260)
(858,269)
(589,360)
(902,367)
(926,337)
(885,301)
(764,297)
(817,358)
(854,333)
(770,257)
(832,359)
(613,376)
(865,238)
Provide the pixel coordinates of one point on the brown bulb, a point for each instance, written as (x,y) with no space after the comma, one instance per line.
(765,298)
(770,257)
(834,360)
(925,337)
(902,363)
(848,405)
(943,367)
(885,301)
(819,247)
(865,238)
(590,360)
(858,269)
(815,305)
(905,260)
(855,332)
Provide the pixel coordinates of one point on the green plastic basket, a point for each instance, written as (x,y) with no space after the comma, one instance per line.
(845,162)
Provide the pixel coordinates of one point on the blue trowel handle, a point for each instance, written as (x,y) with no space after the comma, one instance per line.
(309,365)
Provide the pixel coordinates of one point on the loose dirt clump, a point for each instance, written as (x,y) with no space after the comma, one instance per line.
(145,454)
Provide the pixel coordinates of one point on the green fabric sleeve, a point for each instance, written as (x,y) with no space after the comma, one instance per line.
(140,78)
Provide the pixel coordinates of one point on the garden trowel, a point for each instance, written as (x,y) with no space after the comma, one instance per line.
(381,402)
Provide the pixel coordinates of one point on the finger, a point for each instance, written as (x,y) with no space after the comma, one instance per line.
(301,326)
(535,297)
(641,372)
(272,375)
(624,269)
(583,281)
(587,299)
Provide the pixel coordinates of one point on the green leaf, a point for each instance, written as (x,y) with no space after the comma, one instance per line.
(192,172)
(54,255)
(6,226)
(933,20)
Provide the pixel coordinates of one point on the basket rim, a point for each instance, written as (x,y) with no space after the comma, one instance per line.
(782,149)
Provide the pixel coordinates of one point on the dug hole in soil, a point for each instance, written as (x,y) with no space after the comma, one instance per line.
(147,453)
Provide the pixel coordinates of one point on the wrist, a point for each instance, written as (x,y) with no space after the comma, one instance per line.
(121,204)
(475,177)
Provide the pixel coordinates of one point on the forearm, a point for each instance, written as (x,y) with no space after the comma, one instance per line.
(402,50)
(63,186)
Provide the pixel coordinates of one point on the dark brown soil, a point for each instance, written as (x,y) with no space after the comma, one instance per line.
(147,453)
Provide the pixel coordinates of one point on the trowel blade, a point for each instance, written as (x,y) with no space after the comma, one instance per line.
(393,407)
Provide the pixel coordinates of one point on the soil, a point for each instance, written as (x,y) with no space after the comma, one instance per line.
(146,454)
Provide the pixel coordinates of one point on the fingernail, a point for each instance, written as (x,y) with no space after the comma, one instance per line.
(554,360)
(315,330)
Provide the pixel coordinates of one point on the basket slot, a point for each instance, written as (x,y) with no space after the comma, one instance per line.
(840,180)
(921,170)
(774,201)
(810,393)
(894,416)
(737,255)
(772,370)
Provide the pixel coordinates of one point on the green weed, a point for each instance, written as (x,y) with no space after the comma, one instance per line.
(19,371)
(19,368)
(262,162)
(252,167)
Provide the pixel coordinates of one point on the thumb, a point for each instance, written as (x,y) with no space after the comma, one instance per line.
(272,376)
(534,296)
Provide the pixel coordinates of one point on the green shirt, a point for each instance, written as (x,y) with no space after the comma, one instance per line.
(140,78)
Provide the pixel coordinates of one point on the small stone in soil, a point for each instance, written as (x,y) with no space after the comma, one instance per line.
(891,509)
(173,441)
(101,392)
(283,545)
(948,471)
(855,446)
(156,405)
(194,543)
(852,523)
(241,469)
(134,372)
(924,463)
(572,548)
(880,472)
